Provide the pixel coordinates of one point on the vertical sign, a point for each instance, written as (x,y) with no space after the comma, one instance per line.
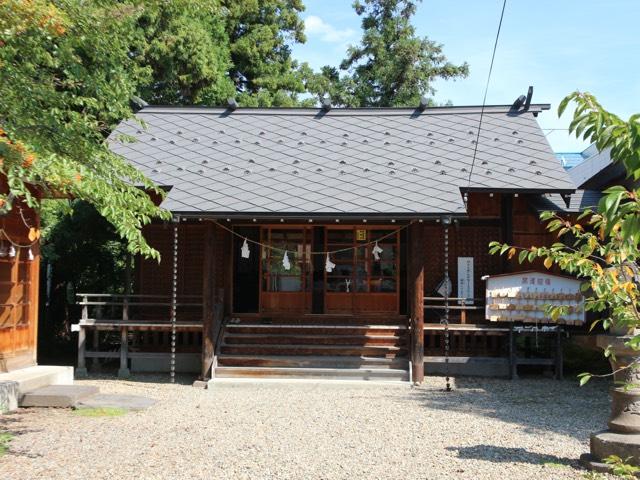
(465,280)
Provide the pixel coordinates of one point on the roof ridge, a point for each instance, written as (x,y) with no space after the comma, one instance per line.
(340,111)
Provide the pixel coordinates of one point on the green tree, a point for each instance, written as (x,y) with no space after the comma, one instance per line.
(391,66)
(66,78)
(260,33)
(186,47)
(601,247)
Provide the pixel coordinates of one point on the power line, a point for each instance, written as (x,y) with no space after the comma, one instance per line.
(484,100)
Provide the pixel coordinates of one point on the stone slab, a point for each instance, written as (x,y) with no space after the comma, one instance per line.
(127,402)
(62,396)
(624,445)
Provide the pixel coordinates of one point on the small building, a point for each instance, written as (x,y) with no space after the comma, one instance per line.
(19,275)
(320,242)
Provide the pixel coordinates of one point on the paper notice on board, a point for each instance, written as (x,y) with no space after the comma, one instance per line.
(465,280)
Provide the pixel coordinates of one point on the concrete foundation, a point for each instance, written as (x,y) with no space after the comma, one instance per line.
(468,366)
(161,362)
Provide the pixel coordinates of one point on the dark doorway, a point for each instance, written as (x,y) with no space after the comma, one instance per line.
(246,272)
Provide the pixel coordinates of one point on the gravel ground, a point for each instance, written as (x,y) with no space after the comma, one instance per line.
(485,429)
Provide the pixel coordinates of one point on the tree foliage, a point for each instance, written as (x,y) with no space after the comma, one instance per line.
(260,33)
(185,46)
(602,245)
(66,78)
(391,66)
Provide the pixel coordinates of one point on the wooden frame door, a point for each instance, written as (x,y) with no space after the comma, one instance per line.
(282,290)
(359,283)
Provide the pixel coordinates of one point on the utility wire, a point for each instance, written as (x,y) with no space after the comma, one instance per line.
(484,100)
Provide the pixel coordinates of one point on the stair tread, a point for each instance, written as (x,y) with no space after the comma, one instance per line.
(305,357)
(381,371)
(310,326)
(292,346)
(307,335)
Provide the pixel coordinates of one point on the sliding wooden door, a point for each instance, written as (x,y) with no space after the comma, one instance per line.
(286,290)
(360,283)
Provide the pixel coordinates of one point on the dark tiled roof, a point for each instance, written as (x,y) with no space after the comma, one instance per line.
(596,171)
(345,161)
(579,201)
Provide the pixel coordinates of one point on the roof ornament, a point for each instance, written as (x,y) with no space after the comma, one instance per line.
(424,103)
(232,104)
(523,102)
(325,104)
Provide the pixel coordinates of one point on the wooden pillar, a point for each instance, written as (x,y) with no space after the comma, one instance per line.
(558,360)
(208,301)
(416,300)
(124,372)
(507,227)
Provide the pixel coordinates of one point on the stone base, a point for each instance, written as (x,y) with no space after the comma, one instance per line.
(124,373)
(624,445)
(9,394)
(588,461)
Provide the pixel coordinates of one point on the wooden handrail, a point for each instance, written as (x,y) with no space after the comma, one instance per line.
(131,295)
(140,304)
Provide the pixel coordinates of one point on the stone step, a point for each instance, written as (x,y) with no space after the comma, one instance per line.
(313,339)
(63,396)
(309,361)
(333,350)
(313,373)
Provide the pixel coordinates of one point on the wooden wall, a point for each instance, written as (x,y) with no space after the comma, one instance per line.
(468,237)
(155,278)
(19,285)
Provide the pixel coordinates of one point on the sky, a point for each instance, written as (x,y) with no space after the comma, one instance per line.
(557,46)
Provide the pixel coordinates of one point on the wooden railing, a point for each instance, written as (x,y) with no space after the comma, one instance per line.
(465,339)
(153,309)
(144,324)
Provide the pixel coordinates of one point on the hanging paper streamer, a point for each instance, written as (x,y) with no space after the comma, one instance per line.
(30,254)
(3,250)
(329,265)
(285,261)
(376,251)
(244,251)
(12,251)
(444,288)
(347,283)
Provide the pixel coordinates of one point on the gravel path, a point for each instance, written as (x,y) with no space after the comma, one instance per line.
(485,429)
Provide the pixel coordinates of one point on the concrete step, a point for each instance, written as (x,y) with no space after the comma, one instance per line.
(313,339)
(16,383)
(309,361)
(38,376)
(63,396)
(313,373)
(333,350)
